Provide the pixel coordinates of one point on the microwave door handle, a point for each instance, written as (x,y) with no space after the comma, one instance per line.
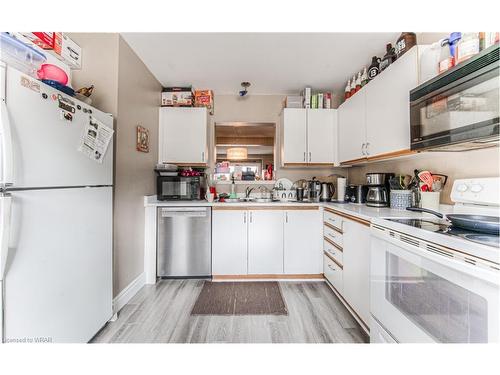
(5,212)
(6,144)
(400,247)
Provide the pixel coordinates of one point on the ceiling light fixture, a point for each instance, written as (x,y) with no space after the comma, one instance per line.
(237,153)
(245,86)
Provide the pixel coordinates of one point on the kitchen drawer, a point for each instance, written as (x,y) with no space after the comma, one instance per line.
(333,219)
(333,273)
(333,251)
(333,235)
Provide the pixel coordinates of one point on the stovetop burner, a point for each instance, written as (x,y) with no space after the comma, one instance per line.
(440,227)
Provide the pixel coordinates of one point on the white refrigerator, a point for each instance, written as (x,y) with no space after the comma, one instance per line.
(55,218)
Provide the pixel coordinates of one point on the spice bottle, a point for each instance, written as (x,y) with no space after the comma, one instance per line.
(405,41)
(389,57)
(347,91)
(364,77)
(374,69)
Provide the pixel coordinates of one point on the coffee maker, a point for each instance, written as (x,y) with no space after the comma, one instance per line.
(314,189)
(378,189)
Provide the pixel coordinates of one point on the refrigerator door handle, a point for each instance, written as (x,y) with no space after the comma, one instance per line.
(5,211)
(6,146)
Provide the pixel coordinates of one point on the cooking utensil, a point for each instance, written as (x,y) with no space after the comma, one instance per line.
(426,178)
(476,223)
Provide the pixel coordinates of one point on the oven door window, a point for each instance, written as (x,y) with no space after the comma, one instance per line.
(444,310)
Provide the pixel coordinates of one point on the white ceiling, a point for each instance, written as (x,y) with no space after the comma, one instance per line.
(274,63)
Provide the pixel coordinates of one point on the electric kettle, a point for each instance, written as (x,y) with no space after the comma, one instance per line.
(327,191)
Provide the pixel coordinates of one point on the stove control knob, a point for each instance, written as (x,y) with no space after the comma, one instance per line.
(476,188)
(462,188)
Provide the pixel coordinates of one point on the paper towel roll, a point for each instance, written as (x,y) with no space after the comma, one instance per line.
(341,183)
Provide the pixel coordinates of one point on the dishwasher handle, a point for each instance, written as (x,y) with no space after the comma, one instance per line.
(184,211)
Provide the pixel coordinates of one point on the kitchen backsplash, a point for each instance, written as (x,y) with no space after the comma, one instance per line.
(480,163)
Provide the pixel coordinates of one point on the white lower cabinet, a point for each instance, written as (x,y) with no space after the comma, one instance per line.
(333,273)
(265,242)
(356,272)
(229,242)
(302,242)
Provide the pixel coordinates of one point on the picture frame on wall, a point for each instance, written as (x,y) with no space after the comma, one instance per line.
(142,139)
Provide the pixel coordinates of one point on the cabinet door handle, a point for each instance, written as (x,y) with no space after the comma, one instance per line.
(250,217)
(203,156)
(310,157)
(286,217)
(366,148)
(333,269)
(304,156)
(363,149)
(245,217)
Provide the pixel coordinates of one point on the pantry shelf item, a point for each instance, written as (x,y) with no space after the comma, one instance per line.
(177,97)
(19,55)
(405,42)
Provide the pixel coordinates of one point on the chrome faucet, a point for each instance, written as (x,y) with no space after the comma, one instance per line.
(248,190)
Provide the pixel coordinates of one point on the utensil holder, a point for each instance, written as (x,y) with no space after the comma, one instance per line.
(401,199)
(429,200)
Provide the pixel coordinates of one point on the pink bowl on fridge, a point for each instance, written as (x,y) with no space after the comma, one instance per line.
(52,72)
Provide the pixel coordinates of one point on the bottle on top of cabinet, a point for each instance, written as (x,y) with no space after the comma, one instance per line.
(353,85)
(389,57)
(405,41)
(347,91)
(447,59)
(374,68)
(358,82)
(364,77)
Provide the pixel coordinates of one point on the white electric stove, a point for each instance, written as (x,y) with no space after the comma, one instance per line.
(431,282)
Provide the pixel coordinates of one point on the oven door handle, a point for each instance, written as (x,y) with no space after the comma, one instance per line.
(478,272)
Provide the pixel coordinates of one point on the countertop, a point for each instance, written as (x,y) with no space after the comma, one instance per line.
(358,210)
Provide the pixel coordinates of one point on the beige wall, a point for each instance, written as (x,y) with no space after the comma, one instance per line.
(138,101)
(99,68)
(125,88)
(261,108)
(478,163)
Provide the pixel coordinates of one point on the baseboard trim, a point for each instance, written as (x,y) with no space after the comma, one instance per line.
(128,292)
(267,277)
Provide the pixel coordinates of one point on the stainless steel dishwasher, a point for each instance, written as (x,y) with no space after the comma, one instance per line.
(184,243)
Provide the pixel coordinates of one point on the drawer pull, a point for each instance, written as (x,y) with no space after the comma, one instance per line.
(333,269)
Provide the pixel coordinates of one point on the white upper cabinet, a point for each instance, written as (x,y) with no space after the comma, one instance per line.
(229,242)
(321,136)
(183,136)
(308,136)
(352,127)
(265,242)
(294,140)
(388,106)
(302,242)
(376,120)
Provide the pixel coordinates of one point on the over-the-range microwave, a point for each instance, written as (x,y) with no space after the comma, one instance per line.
(459,109)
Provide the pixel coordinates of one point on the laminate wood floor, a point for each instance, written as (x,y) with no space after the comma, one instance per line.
(161,314)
